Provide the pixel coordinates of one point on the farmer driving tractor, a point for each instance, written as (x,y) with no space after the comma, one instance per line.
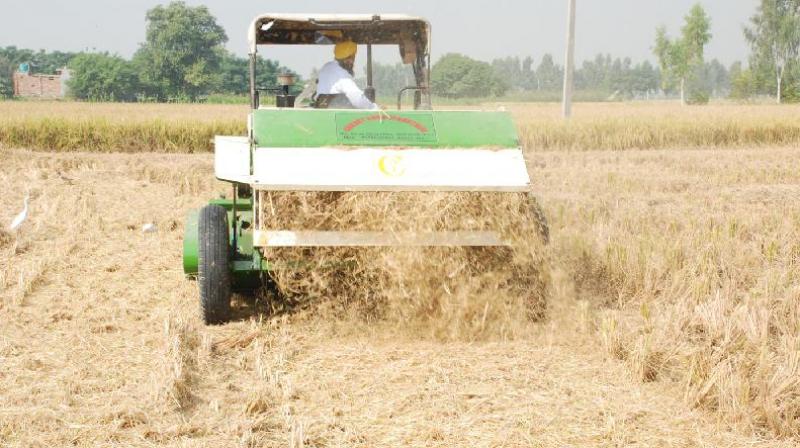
(336,88)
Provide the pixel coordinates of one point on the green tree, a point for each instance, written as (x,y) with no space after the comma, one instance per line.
(682,57)
(646,78)
(735,70)
(549,76)
(696,33)
(510,70)
(390,79)
(594,74)
(528,74)
(791,93)
(458,76)
(743,83)
(182,53)
(671,59)
(620,77)
(774,37)
(234,74)
(6,71)
(102,77)
(718,78)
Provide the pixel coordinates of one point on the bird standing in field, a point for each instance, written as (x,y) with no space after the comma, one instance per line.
(21,217)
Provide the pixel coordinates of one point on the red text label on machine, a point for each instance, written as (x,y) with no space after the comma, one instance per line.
(377,117)
(385,129)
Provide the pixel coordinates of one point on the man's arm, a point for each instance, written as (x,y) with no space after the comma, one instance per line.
(354,94)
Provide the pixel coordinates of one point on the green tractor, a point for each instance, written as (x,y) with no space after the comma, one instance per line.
(295,148)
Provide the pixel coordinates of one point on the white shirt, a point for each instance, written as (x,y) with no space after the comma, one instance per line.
(334,80)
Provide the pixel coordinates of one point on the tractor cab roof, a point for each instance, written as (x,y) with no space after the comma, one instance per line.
(322,29)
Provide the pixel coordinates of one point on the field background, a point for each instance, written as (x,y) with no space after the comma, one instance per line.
(674,317)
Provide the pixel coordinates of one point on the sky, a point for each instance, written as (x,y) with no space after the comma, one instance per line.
(478,28)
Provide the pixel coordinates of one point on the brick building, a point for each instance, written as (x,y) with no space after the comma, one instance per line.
(41,86)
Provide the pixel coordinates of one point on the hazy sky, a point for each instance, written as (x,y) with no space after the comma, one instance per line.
(479,28)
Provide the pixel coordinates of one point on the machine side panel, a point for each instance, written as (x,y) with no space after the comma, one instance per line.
(383,169)
(309,128)
(232,158)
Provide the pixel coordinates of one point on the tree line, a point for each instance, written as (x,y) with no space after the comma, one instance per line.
(773,34)
(183,59)
(458,76)
(511,75)
(774,64)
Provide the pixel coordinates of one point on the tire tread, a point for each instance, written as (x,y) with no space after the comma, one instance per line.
(214,265)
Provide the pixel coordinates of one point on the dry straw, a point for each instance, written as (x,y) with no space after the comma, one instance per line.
(5,238)
(102,135)
(447,293)
(69,126)
(178,366)
(694,260)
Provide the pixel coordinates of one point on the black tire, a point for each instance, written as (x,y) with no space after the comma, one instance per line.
(214,273)
(539,219)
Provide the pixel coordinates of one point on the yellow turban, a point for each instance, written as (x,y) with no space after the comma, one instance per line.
(345,49)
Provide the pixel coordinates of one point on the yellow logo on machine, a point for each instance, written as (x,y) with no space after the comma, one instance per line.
(392,165)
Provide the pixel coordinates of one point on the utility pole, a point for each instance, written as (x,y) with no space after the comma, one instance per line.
(569,65)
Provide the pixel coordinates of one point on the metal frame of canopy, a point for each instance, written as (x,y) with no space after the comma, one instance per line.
(411,34)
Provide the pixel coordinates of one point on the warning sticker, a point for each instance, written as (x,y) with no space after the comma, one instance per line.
(385,129)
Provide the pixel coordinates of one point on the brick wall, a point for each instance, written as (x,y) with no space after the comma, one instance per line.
(38,86)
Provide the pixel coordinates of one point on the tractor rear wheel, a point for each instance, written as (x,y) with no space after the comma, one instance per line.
(214,273)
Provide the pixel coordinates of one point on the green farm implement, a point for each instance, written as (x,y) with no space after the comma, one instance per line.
(292,148)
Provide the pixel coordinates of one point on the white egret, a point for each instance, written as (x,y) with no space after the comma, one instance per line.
(21,217)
